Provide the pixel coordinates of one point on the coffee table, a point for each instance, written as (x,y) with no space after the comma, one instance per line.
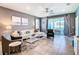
(32,40)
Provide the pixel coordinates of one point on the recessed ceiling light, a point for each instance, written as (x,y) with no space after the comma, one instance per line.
(28,8)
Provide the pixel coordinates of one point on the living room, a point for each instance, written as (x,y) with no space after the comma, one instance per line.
(38,28)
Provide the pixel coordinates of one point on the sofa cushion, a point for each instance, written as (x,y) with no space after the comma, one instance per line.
(15,34)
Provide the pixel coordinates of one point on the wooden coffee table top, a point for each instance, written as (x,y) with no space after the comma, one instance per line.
(13,44)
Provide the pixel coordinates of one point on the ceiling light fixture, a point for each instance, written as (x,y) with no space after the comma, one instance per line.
(28,8)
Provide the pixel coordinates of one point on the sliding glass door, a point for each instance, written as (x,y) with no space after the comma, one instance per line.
(57,24)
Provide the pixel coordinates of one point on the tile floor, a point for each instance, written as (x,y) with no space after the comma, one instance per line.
(60,45)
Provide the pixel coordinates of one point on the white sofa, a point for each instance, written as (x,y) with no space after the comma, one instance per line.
(29,33)
(26,33)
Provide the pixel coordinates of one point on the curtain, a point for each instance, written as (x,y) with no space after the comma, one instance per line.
(69,24)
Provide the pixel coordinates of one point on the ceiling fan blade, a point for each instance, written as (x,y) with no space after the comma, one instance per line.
(47,11)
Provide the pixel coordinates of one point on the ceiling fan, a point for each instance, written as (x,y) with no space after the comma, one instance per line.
(47,11)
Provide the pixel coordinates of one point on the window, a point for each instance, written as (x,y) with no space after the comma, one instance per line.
(56,23)
(19,21)
(24,21)
(16,20)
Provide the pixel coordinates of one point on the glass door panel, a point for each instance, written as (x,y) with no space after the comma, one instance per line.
(57,24)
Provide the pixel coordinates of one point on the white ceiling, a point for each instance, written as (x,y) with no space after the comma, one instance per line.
(38,9)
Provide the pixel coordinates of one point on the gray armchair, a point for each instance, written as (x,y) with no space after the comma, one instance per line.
(6,40)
